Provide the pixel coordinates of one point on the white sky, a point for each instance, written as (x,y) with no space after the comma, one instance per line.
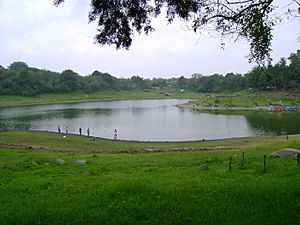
(59,38)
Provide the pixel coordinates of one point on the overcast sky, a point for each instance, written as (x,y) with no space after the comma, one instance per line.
(59,38)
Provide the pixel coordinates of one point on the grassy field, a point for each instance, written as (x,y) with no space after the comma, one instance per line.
(236,99)
(82,144)
(250,99)
(44,187)
(6,100)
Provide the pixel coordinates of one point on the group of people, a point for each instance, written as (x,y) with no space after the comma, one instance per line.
(87,131)
(67,130)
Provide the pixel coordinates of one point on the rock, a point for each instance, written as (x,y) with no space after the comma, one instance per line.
(60,161)
(204,167)
(286,152)
(80,162)
(86,173)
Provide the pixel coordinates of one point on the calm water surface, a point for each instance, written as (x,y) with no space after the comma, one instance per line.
(147,120)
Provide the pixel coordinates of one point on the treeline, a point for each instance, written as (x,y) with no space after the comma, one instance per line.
(20,79)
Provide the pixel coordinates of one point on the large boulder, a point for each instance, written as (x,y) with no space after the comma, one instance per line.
(286,152)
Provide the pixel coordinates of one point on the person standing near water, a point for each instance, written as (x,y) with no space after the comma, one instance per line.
(58,128)
(80,131)
(115,134)
(88,132)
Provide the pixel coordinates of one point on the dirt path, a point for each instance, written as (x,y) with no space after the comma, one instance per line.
(107,151)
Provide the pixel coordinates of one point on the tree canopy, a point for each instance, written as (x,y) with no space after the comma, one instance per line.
(250,19)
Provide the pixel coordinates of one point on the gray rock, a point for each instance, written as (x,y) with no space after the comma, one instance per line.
(86,173)
(80,162)
(204,167)
(286,152)
(60,161)
(148,150)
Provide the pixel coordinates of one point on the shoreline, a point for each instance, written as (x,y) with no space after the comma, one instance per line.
(53,142)
(148,141)
(193,106)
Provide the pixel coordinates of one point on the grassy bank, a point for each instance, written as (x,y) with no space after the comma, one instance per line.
(6,100)
(74,143)
(43,187)
(249,99)
(235,99)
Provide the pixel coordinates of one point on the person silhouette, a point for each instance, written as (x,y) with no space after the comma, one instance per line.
(115,134)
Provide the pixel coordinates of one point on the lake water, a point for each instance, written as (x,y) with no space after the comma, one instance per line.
(147,120)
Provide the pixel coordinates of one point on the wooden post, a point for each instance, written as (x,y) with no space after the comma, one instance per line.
(298,158)
(265,163)
(230,161)
(243,158)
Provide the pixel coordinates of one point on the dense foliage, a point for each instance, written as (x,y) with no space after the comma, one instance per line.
(251,19)
(20,79)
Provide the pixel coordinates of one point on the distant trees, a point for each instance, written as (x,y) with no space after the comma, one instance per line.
(20,79)
(69,81)
(217,83)
(139,83)
(281,76)
(182,82)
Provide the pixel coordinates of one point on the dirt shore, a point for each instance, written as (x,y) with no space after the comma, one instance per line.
(193,106)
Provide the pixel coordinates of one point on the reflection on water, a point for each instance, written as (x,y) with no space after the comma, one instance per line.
(155,120)
(269,123)
(276,122)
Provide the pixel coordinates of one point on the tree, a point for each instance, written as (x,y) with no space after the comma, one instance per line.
(250,19)
(69,81)
(233,82)
(181,82)
(294,68)
(138,83)
(258,78)
(18,66)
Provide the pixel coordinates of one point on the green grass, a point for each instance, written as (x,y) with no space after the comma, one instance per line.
(236,99)
(158,188)
(250,99)
(6,100)
(83,144)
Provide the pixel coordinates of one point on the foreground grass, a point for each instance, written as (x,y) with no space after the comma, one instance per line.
(160,188)
(6,100)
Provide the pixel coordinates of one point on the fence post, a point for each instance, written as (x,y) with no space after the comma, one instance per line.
(230,161)
(265,163)
(243,158)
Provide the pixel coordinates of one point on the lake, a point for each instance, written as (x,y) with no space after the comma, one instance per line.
(148,120)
